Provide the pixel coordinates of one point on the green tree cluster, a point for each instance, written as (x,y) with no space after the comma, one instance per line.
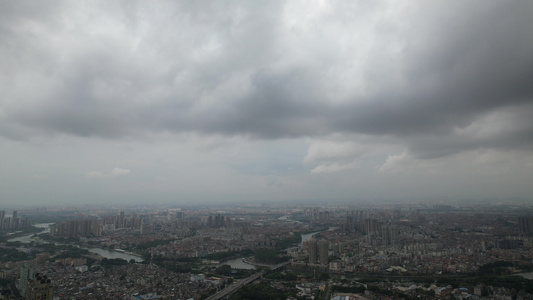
(10,254)
(348,289)
(225,255)
(288,242)
(111,262)
(153,244)
(269,256)
(224,270)
(498,268)
(72,252)
(261,291)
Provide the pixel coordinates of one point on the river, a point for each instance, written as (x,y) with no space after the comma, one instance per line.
(28,237)
(102,252)
(113,254)
(237,263)
(308,236)
(528,275)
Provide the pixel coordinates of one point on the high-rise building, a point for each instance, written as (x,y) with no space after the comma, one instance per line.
(6,223)
(323,216)
(313,249)
(371,226)
(137,221)
(39,288)
(26,274)
(323,249)
(525,224)
(146,227)
(74,228)
(389,234)
(121,220)
(14,214)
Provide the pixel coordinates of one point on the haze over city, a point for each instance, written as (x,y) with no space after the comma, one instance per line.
(265,101)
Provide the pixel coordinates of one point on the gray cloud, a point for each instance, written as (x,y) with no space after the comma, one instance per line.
(114,173)
(419,74)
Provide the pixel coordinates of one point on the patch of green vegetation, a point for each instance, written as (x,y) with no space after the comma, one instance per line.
(323,276)
(269,256)
(179,268)
(224,270)
(276,276)
(430,293)
(154,243)
(241,273)
(509,282)
(190,260)
(5,282)
(282,276)
(23,231)
(288,242)
(261,291)
(47,218)
(301,218)
(70,240)
(11,254)
(14,233)
(72,252)
(395,294)
(112,262)
(498,268)
(226,255)
(348,289)
(171,264)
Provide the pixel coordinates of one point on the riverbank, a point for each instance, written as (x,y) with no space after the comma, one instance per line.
(125,252)
(247,263)
(237,263)
(20,235)
(106,253)
(256,263)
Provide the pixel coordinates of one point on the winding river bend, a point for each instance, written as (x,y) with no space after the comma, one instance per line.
(100,251)
(238,263)
(235,263)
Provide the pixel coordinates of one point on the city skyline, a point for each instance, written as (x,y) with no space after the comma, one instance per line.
(200,252)
(176,102)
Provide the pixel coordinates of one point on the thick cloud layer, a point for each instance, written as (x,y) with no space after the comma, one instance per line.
(273,99)
(424,73)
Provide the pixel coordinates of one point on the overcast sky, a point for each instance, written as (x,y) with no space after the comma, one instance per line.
(193,101)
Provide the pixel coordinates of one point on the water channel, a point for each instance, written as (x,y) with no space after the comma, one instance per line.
(29,237)
(528,275)
(237,263)
(102,252)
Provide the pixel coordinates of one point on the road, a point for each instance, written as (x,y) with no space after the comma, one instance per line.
(237,285)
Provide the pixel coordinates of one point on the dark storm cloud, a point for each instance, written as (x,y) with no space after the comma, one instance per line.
(278,106)
(241,70)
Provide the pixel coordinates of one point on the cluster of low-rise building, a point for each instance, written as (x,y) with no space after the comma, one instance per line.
(118,282)
(431,241)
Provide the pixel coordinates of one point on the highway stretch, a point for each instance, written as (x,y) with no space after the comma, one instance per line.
(237,285)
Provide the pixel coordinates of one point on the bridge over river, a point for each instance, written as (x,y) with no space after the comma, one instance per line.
(237,285)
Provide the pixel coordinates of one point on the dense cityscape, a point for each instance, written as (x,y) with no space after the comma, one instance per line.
(420,251)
